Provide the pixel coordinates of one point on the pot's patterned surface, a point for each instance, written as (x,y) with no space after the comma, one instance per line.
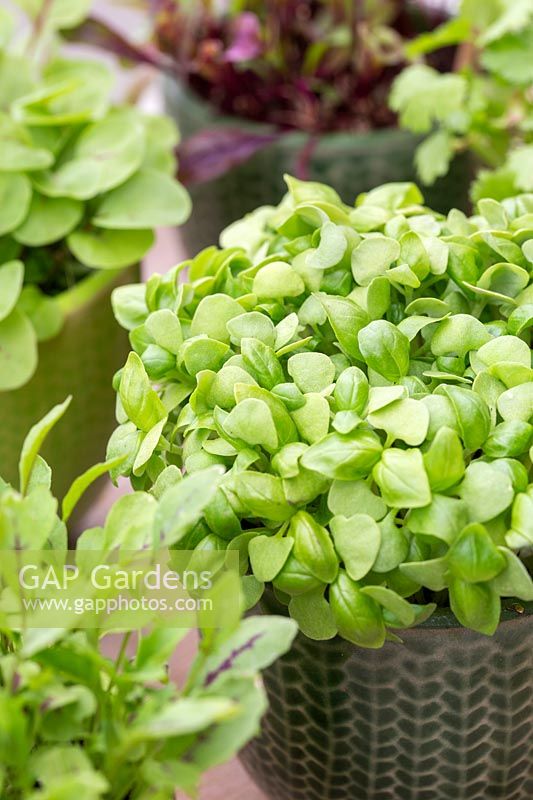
(446,716)
(351,163)
(80,361)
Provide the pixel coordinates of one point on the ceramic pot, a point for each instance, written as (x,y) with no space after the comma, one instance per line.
(81,362)
(350,162)
(448,715)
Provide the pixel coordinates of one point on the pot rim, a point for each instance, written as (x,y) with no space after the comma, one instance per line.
(512,611)
(443,618)
(215,119)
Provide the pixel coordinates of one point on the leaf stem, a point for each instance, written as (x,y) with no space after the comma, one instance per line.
(39,27)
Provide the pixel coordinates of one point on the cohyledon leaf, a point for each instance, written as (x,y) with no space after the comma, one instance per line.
(140,402)
(49,220)
(11,280)
(104,156)
(311,372)
(129,305)
(509,439)
(344,457)
(348,498)
(449,33)
(286,330)
(432,573)
(110,249)
(312,418)
(357,540)
(147,447)
(18,350)
(473,556)
(277,280)
(34,441)
(521,319)
(458,335)
(517,403)
(401,609)
(331,248)
(373,257)
(522,520)
(199,353)
(347,319)
(501,283)
(252,422)
(443,518)
(268,555)
(262,363)
(394,546)
(514,580)
(263,496)
(351,390)
(411,326)
(380,397)
(444,460)
(385,349)
(212,316)
(504,348)
(471,412)
(124,442)
(358,617)
(392,196)
(404,419)
(476,605)
(165,329)
(252,325)
(183,504)
(285,428)
(486,490)
(402,478)
(313,614)
(313,547)
(15,198)
(377,297)
(149,199)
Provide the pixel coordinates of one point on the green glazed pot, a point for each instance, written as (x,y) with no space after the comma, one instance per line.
(448,715)
(351,163)
(81,362)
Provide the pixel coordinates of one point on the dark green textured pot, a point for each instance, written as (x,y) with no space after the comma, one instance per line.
(448,715)
(80,361)
(351,163)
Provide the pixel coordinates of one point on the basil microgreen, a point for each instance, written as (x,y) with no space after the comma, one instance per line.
(376,445)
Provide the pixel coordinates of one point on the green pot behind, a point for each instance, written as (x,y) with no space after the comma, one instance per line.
(81,362)
(350,162)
